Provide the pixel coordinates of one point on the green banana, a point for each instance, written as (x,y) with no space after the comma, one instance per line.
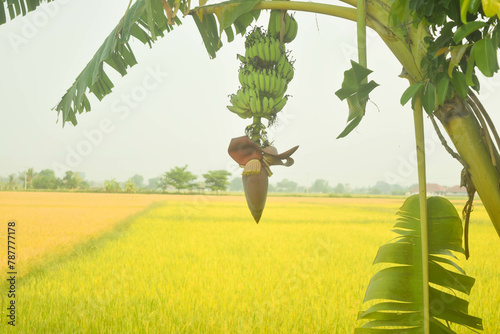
(253,106)
(287,23)
(287,72)
(246,96)
(282,87)
(261,81)
(278,106)
(261,51)
(272,82)
(255,51)
(265,105)
(291,32)
(241,58)
(271,105)
(242,113)
(277,50)
(281,64)
(256,80)
(242,102)
(267,53)
(274,23)
(241,77)
(272,51)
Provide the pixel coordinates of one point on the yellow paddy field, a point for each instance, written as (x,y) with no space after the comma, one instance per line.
(119,263)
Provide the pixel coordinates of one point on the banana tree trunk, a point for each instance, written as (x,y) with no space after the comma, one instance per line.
(466,134)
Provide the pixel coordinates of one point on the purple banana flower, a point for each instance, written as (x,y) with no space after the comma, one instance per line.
(256,162)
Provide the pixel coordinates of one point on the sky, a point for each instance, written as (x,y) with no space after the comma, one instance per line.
(170,110)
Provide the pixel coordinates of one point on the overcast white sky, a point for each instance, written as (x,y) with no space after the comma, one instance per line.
(170,110)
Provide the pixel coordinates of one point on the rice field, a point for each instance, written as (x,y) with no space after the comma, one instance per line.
(199,264)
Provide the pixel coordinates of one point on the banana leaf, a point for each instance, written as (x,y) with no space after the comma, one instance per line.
(396,291)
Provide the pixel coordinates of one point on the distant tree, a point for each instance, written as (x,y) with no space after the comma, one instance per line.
(130,185)
(85,184)
(383,187)
(236,184)
(320,186)
(46,179)
(72,180)
(286,186)
(339,189)
(179,178)
(137,180)
(217,180)
(12,184)
(111,186)
(153,183)
(27,177)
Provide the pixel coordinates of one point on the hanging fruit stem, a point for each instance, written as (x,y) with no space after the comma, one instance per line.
(257,127)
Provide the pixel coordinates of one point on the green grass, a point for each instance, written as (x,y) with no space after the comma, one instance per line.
(203,266)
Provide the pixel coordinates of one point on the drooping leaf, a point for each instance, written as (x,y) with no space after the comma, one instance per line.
(231,10)
(150,19)
(237,12)
(145,20)
(356,92)
(399,287)
(207,27)
(139,22)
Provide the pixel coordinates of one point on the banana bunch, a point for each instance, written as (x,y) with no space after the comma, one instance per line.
(264,77)
(290,29)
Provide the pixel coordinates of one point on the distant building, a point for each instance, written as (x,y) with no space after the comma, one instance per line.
(433,189)
(457,191)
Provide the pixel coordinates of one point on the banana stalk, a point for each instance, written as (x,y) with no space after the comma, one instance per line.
(466,134)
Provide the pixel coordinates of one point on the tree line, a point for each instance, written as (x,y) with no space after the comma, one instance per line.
(45,179)
(178,179)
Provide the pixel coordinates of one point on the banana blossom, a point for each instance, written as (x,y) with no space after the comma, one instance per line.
(256,162)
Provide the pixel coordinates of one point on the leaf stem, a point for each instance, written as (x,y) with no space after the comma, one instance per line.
(320,8)
(420,143)
(361,29)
